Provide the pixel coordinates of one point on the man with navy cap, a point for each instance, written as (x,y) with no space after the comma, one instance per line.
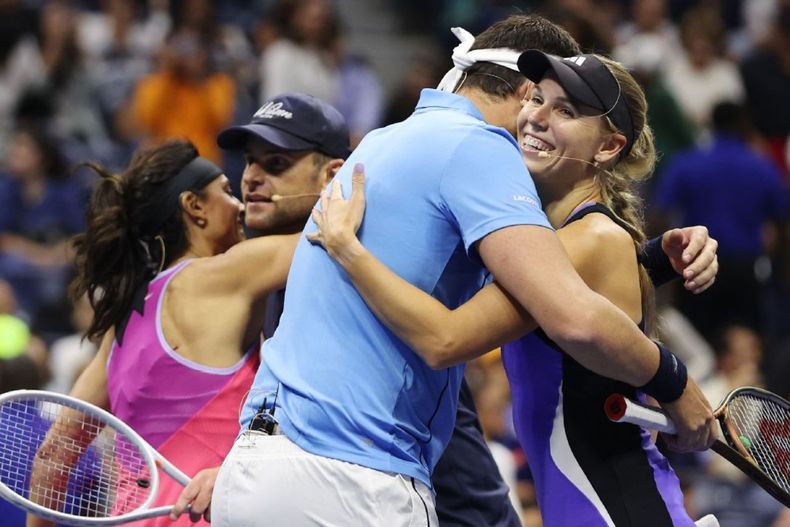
(293,146)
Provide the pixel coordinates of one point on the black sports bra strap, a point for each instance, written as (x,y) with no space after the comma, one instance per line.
(596,207)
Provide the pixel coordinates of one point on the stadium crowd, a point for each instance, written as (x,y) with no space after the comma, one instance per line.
(94,80)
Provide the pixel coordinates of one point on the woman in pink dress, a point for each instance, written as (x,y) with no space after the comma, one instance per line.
(178,298)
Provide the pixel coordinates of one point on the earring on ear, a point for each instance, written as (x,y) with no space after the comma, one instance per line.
(161,240)
(200,222)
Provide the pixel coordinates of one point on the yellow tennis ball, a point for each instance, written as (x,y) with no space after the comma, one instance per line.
(14,337)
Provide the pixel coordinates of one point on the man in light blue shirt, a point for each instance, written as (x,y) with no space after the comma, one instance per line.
(427,210)
(363,419)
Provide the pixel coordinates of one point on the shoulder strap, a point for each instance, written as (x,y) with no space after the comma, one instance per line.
(138,300)
(596,207)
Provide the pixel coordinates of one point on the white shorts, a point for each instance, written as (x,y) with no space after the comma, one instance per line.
(269,480)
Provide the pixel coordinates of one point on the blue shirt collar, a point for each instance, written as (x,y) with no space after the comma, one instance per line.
(430,98)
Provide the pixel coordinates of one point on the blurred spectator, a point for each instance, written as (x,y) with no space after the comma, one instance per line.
(120,44)
(229,51)
(700,76)
(727,492)
(306,52)
(423,72)
(20,61)
(40,208)
(739,352)
(360,98)
(643,46)
(228,47)
(735,193)
(590,23)
(758,17)
(69,86)
(649,38)
(424,16)
(684,340)
(23,357)
(117,28)
(672,130)
(69,355)
(303,58)
(185,98)
(766,74)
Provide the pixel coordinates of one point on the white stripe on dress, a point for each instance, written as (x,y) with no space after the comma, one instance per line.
(563,457)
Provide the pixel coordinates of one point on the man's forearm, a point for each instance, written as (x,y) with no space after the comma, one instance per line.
(532,265)
(605,340)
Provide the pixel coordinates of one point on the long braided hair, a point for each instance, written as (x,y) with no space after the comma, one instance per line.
(617,184)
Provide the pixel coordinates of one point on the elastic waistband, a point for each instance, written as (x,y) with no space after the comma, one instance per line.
(253,444)
(272,445)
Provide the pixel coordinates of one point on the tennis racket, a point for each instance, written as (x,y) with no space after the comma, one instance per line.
(71,462)
(755,425)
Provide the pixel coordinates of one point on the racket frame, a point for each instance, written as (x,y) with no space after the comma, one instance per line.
(621,409)
(153,459)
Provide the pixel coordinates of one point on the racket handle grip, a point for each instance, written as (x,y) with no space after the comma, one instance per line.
(621,409)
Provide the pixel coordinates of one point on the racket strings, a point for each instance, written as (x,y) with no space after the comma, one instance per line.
(70,462)
(763,428)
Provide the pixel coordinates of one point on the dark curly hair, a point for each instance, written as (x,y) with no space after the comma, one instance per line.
(114,256)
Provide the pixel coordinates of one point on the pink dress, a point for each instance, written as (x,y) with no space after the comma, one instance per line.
(187,411)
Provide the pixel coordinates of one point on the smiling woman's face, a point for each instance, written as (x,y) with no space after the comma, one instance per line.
(551,122)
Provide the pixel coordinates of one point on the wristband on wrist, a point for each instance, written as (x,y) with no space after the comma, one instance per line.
(657,263)
(670,380)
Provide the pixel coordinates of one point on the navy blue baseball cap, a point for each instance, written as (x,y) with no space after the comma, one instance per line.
(293,121)
(588,81)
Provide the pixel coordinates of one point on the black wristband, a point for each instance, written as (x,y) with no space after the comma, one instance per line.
(670,380)
(657,263)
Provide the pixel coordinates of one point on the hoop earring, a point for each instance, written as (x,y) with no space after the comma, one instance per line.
(162,246)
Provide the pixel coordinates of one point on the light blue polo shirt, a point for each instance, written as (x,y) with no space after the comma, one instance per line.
(348,388)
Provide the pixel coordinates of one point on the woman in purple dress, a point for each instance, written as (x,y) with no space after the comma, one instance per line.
(584,136)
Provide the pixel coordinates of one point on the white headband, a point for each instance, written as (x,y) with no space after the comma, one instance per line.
(463,58)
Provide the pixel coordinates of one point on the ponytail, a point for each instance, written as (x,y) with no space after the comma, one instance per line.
(114,257)
(110,260)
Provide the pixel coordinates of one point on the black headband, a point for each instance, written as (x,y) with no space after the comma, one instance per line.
(194,176)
